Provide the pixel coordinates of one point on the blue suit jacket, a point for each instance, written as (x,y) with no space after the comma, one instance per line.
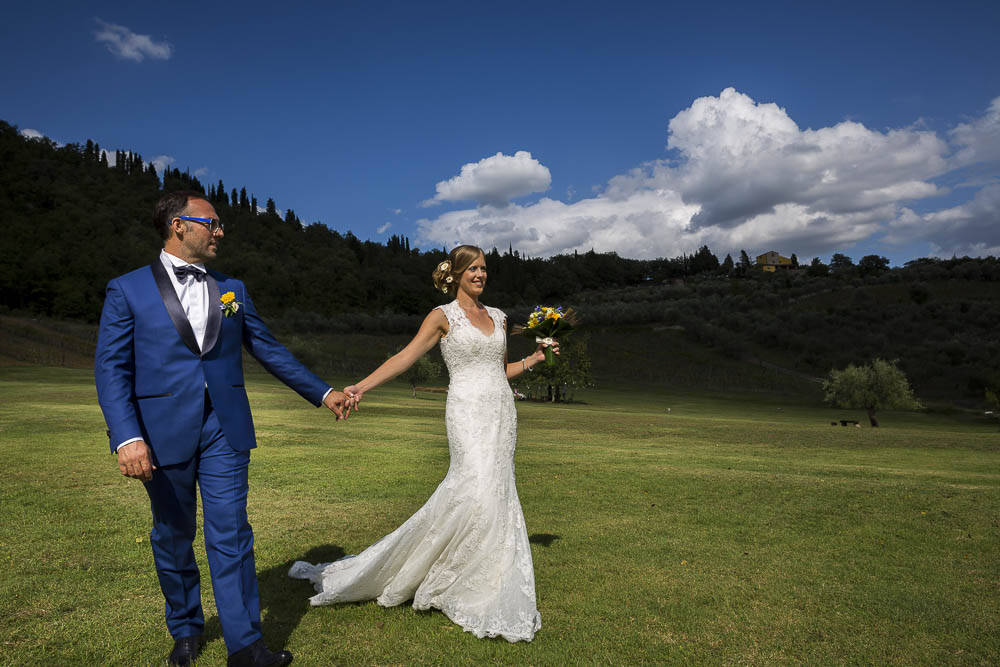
(151,377)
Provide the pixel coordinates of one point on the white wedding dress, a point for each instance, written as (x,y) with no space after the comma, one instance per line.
(466,550)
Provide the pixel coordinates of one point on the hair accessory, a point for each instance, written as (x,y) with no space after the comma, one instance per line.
(444,266)
(448,279)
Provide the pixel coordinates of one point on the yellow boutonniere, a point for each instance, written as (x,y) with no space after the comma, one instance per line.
(229,304)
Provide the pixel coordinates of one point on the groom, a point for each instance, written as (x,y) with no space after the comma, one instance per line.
(169,378)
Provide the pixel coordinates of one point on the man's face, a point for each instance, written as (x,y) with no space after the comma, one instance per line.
(199,244)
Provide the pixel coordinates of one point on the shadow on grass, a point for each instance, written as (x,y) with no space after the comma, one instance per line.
(545,539)
(284,601)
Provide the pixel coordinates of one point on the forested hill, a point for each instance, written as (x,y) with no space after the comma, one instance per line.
(72,222)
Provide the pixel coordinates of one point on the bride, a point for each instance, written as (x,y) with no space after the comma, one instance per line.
(466,550)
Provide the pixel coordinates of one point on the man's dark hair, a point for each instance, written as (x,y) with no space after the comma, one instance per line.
(169,207)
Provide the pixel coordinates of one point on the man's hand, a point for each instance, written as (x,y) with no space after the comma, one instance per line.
(134,461)
(338,403)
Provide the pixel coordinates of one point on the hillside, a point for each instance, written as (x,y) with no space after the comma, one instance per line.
(656,356)
(940,327)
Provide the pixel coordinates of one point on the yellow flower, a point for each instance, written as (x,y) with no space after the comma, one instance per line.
(227,297)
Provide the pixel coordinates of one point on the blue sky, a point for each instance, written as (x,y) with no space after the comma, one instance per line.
(646,128)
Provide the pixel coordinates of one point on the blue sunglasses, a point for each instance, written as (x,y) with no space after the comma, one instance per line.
(211,224)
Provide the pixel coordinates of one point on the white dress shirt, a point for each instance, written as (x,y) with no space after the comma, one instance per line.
(193,295)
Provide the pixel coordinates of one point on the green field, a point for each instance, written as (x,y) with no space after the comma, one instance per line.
(665,528)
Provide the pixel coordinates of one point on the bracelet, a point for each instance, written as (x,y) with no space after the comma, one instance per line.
(524,367)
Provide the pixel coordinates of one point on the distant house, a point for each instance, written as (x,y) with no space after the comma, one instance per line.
(771,261)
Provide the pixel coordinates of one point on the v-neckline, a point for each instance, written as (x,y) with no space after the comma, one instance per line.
(473,324)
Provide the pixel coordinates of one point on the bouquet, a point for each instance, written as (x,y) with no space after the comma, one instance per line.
(546,323)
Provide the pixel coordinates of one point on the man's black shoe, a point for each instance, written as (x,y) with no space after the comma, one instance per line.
(185,651)
(257,655)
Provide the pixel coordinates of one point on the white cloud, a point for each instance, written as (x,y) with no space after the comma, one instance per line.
(161,162)
(381,229)
(495,180)
(32,134)
(550,226)
(128,45)
(745,176)
(979,140)
(261,210)
(742,159)
(397,211)
(972,228)
(202,172)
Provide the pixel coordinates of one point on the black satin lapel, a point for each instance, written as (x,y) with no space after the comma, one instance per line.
(214,315)
(174,308)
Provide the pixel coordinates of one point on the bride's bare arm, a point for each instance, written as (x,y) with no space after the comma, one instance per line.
(434,326)
(520,366)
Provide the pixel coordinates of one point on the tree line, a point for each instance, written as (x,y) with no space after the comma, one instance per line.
(74,220)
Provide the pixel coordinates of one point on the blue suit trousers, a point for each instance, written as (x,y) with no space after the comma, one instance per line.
(221,473)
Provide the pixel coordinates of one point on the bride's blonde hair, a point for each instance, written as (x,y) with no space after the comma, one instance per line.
(447,273)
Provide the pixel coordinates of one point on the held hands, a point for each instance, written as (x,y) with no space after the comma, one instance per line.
(339,404)
(354,395)
(134,461)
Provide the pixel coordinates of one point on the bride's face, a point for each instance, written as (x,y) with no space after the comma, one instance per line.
(473,279)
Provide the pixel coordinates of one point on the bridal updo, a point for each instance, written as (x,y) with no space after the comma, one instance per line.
(447,273)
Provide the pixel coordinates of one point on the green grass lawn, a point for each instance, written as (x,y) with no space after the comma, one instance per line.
(665,528)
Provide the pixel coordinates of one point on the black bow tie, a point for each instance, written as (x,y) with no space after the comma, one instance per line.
(182,272)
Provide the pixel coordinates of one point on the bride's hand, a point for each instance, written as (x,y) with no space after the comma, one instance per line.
(353,396)
(539,354)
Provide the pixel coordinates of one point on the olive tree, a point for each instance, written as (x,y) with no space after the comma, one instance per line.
(879,385)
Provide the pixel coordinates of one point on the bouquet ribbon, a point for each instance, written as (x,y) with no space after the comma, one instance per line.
(544,341)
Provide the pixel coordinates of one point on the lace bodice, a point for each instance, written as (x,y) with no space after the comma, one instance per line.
(480,400)
(469,352)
